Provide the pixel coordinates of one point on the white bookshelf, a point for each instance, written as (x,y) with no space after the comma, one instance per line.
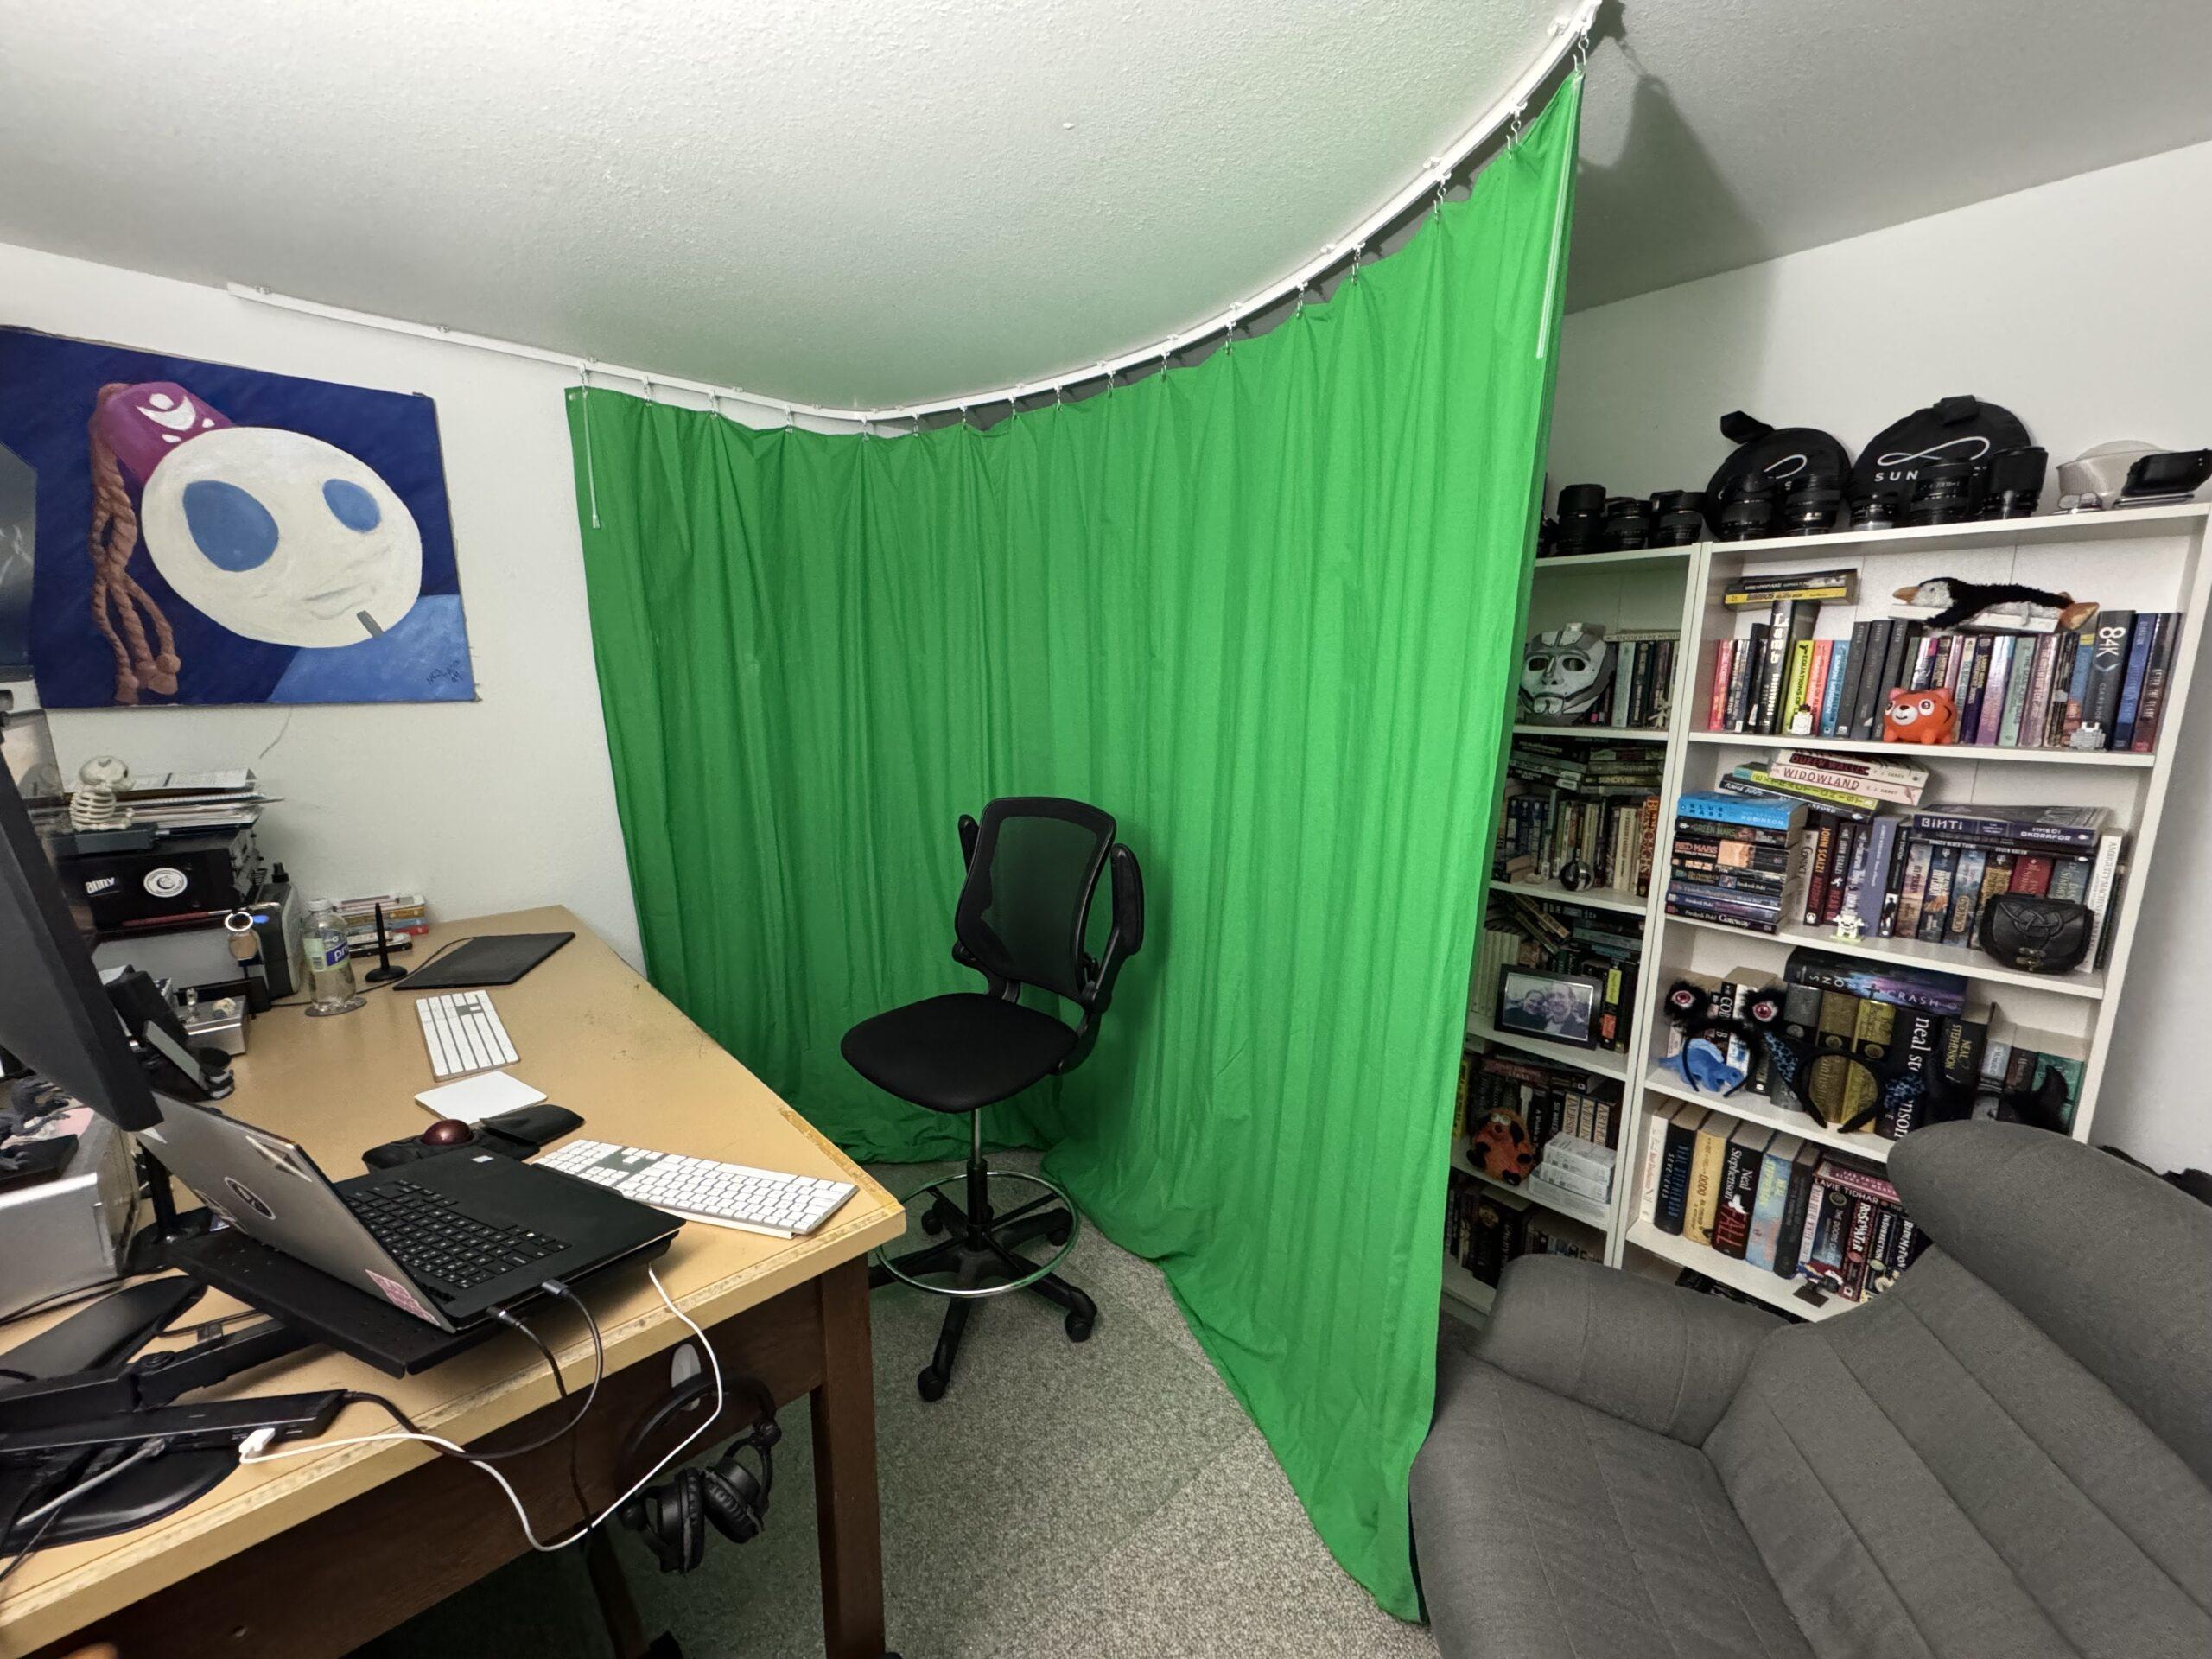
(2146,559)
(1649,587)
(2143,560)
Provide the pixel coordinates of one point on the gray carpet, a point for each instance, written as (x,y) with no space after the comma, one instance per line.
(1109,1498)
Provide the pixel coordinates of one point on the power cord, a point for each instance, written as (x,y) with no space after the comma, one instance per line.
(255,1447)
(50,1511)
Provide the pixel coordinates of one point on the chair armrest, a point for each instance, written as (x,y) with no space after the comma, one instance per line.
(1661,1357)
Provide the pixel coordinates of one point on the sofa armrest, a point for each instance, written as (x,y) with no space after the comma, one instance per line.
(1660,1357)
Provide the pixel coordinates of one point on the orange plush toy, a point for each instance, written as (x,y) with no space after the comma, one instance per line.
(1927,716)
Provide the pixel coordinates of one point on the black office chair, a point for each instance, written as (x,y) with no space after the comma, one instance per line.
(1033,867)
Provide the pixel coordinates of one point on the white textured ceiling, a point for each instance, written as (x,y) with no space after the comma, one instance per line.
(872,202)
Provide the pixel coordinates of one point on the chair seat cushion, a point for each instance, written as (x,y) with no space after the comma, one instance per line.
(955,1053)
(1547,1530)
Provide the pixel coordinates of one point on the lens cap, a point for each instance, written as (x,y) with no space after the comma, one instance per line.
(1778,454)
(1964,429)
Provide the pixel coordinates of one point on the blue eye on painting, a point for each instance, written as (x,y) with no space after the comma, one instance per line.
(352,505)
(233,530)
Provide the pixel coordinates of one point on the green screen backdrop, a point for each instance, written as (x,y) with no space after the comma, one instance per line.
(1265,610)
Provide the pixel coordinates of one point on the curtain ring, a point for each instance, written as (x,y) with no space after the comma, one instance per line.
(1513,133)
(1358,253)
(1582,50)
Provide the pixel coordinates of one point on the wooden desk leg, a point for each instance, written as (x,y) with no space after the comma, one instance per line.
(844,1471)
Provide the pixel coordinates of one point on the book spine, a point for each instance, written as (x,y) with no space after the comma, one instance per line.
(2131,687)
(1838,669)
(1716,708)
(2036,709)
(2078,689)
(2016,679)
(2159,669)
(1990,717)
(1788,1241)
(1730,1219)
(2061,678)
(1966,894)
(1867,700)
(1906,921)
(1935,906)
(2104,875)
(1705,1185)
(2108,670)
(1855,673)
(1905,639)
(1681,1145)
(1848,838)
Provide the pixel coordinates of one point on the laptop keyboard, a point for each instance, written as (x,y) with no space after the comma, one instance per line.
(426,1234)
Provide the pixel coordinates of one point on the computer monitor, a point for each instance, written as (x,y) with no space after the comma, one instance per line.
(55,1017)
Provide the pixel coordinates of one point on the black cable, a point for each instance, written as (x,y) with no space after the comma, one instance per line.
(598,1373)
(55,1508)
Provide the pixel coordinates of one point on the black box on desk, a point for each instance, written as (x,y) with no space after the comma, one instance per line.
(207,873)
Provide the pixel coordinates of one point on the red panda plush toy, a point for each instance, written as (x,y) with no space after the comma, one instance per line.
(1927,716)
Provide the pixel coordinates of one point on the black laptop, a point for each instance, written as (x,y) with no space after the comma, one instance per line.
(444,1239)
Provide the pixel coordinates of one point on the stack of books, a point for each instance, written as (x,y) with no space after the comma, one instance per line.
(1735,859)
(1774,1201)
(2101,687)
(1642,694)
(406,919)
(1597,805)
(1844,836)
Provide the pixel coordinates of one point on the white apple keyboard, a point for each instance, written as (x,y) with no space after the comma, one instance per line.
(722,1195)
(462,1029)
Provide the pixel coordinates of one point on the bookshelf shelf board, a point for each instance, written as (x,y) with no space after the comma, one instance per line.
(1633,555)
(1949,958)
(1757,1283)
(1465,1290)
(1604,1063)
(1595,734)
(1595,899)
(1915,753)
(2119,525)
(1757,1109)
(1571,1206)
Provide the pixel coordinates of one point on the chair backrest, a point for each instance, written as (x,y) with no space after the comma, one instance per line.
(1032,872)
(2008,1452)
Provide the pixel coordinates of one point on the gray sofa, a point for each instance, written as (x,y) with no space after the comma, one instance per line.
(2008,1455)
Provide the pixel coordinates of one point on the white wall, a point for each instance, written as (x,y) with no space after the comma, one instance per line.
(485,806)
(2079,306)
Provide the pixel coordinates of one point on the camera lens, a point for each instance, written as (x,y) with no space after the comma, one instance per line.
(1878,512)
(2015,483)
(1627,525)
(1748,514)
(1677,517)
(1944,494)
(1581,506)
(1814,502)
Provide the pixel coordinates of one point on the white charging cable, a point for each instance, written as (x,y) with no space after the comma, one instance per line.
(254,1447)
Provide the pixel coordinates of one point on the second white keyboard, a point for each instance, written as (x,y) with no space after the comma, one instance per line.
(462,1029)
(723,1195)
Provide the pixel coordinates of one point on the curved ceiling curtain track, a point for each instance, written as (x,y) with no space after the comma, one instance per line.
(1569,41)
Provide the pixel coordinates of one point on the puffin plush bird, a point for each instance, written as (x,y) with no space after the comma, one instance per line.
(1957,602)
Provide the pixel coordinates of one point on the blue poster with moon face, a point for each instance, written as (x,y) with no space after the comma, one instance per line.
(196,533)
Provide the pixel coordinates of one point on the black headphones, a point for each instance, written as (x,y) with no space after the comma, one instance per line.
(674,1516)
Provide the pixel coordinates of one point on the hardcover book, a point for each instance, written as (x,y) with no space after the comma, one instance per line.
(1770,1200)
(1737,1191)
(1704,1203)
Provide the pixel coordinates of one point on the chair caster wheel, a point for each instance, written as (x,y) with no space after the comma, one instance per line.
(932,1222)
(1078,1327)
(1058,1236)
(931,1384)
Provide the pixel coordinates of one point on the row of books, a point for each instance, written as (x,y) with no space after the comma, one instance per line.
(1895,1020)
(1774,1201)
(1643,679)
(1550,1100)
(1484,1229)
(2101,687)
(1613,842)
(1586,765)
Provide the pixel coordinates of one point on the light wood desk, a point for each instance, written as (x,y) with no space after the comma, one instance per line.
(315,1554)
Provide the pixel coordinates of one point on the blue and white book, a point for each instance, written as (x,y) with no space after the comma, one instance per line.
(1753,813)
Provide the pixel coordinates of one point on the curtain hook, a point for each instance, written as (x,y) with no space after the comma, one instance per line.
(591,474)
(1443,180)
(1513,133)
(1582,50)
(1358,253)
(1059,396)
(867,426)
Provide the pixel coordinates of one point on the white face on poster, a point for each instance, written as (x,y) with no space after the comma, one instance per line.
(281,537)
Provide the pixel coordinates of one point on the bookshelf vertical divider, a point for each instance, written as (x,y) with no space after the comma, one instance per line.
(2141,559)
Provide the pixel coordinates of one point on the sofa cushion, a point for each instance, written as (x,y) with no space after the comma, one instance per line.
(1933,1477)
(1548,1530)
(2112,1263)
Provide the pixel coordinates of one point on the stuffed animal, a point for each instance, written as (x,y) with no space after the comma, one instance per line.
(1956,603)
(1927,716)
(1500,1147)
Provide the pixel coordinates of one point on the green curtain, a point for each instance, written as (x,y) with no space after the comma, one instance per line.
(1264,610)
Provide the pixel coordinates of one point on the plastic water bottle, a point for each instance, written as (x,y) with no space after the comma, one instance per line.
(330,967)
